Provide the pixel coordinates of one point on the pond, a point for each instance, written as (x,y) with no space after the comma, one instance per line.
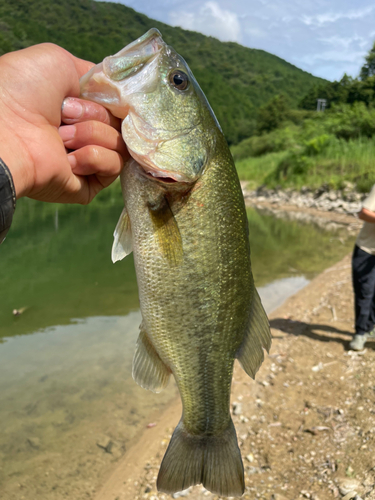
(68,405)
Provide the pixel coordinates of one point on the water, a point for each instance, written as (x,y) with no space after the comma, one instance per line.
(65,363)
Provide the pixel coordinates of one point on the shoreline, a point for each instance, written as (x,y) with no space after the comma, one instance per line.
(294,205)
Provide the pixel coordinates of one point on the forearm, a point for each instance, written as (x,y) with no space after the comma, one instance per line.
(367,215)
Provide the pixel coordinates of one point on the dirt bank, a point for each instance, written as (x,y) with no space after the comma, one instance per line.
(306,425)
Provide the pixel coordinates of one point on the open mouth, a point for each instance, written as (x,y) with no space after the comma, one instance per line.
(166,180)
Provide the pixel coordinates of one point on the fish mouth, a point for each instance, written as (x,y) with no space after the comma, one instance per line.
(162,179)
(113,73)
(132,58)
(149,171)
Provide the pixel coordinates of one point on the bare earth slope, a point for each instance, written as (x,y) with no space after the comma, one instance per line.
(306,426)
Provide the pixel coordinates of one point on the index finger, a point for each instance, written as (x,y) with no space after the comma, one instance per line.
(76,110)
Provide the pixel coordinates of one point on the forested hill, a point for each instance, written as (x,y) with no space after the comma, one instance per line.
(236,80)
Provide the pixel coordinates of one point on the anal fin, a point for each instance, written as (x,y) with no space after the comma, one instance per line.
(257,337)
(149,371)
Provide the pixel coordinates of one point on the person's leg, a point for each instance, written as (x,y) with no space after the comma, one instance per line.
(371,319)
(363,273)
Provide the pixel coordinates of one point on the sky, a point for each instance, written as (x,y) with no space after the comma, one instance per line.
(325,38)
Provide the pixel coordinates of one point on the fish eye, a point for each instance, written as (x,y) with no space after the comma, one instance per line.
(179,79)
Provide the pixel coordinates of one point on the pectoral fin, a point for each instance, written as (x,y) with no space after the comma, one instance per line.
(167,233)
(257,338)
(123,244)
(149,371)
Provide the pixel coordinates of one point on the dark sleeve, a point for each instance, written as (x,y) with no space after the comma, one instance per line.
(7,200)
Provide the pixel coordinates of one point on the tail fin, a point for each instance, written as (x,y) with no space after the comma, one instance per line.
(214,461)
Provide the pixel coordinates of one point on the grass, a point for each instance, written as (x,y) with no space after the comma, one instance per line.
(256,170)
(339,162)
(331,148)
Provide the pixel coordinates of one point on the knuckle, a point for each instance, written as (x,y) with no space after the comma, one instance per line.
(92,155)
(89,129)
(94,111)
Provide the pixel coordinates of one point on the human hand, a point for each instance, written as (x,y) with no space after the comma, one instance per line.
(34,83)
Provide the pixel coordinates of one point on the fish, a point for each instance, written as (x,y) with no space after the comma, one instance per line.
(184,219)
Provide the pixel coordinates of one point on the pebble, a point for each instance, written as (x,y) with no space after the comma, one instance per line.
(183,493)
(237,408)
(350,495)
(348,485)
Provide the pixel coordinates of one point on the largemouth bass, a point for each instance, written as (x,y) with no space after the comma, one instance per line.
(185,221)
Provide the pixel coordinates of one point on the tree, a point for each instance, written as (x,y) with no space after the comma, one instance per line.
(272,114)
(368,69)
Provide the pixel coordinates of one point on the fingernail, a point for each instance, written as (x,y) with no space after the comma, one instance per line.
(71,108)
(67,132)
(73,161)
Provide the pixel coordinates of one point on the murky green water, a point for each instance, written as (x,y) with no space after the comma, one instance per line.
(65,362)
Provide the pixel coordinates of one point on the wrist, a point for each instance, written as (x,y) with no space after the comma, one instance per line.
(12,152)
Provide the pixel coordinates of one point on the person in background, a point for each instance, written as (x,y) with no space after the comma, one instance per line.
(363,270)
(54,146)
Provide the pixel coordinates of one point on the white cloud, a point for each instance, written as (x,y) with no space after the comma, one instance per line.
(332,17)
(334,56)
(210,19)
(344,42)
(255,32)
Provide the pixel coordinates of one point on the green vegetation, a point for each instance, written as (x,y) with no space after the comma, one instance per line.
(331,147)
(236,80)
(348,90)
(296,148)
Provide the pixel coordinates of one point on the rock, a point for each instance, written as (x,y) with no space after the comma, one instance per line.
(348,186)
(277,496)
(237,408)
(253,470)
(332,195)
(350,495)
(305,494)
(183,493)
(348,485)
